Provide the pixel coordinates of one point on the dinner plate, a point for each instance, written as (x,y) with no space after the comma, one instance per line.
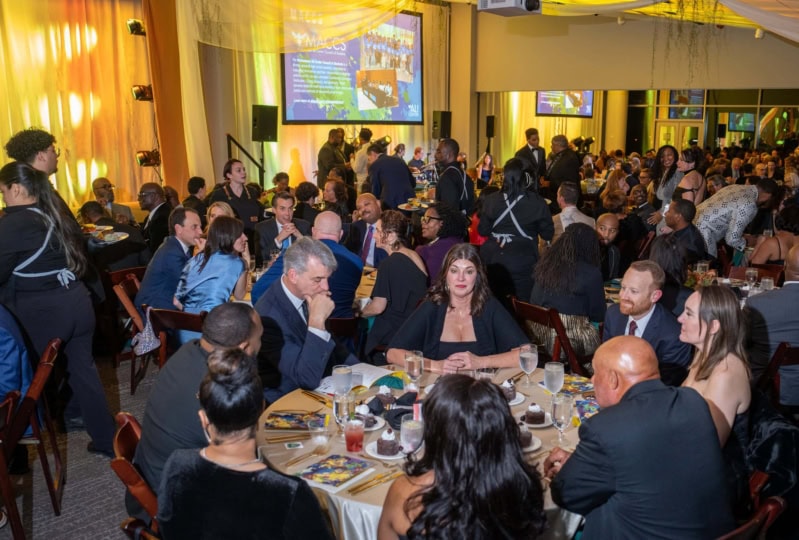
(534,445)
(371,449)
(113,238)
(380,423)
(518,399)
(409,208)
(546,424)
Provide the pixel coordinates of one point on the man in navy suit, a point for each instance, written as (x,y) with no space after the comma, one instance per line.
(534,156)
(163,273)
(297,350)
(281,232)
(649,464)
(639,313)
(369,210)
(392,181)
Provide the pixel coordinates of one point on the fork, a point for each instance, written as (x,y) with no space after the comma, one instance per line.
(318,451)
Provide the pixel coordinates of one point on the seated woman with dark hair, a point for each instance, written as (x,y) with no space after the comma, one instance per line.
(472,480)
(335,197)
(339,174)
(671,256)
(205,493)
(442,228)
(307,194)
(786,235)
(568,279)
(460,325)
(401,280)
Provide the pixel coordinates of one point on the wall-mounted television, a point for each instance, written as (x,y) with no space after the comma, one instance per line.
(741,122)
(578,103)
(375,78)
(679,101)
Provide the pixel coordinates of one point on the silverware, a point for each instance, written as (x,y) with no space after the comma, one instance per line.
(376,481)
(517,378)
(288,438)
(318,397)
(318,451)
(294,411)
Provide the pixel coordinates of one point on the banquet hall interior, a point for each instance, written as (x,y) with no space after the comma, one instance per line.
(142,91)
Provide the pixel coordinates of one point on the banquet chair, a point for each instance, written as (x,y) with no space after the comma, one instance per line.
(769,381)
(759,523)
(126,290)
(757,481)
(166,320)
(773,271)
(723,259)
(126,439)
(33,407)
(644,245)
(136,529)
(777,269)
(550,318)
(6,488)
(346,331)
(110,279)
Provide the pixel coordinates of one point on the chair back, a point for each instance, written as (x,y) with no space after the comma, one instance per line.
(757,481)
(164,320)
(6,487)
(773,271)
(723,258)
(769,382)
(760,522)
(644,245)
(118,276)
(126,290)
(126,440)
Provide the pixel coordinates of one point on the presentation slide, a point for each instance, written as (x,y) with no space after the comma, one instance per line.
(565,103)
(741,122)
(683,98)
(375,78)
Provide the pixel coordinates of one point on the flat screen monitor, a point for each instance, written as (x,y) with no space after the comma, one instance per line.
(680,101)
(375,78)
(741,122)
(578,103)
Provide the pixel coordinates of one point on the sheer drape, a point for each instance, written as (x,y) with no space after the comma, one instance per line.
(68,67)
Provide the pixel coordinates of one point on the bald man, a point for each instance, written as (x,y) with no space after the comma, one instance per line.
(607,229)
(648,465)
(361,237)
(774,319)
(103,191)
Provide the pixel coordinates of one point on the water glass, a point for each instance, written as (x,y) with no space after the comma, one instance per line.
(414,367)
(702,267)
(320,435)
(561,415)
(751,276)
(768,233)
(343,406)
(553,377)
(353,435)
(767,283)
(486,373)
(342,379)
(528,360)
(411,433)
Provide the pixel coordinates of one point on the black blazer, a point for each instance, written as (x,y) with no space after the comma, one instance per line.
(157,227)
(266,232)
(536,160)
(355,238)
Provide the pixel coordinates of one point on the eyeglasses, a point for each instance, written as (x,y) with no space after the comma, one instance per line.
(145,194)
(426,219)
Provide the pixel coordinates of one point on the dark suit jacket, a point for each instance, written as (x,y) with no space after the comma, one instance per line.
(345,280)
(266,232)
(630,475)
(355,239)
(126,253)
(195,203)
(392,181)
(663,333)
(565,168)
(291,356)
(537,164)
(157,227)
(163,273)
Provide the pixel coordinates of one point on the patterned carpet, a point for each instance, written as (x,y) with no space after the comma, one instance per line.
(93,504)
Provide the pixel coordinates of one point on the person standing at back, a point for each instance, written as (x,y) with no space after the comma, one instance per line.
(454,186)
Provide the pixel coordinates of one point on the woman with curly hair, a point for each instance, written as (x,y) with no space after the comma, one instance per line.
(665,178)
(401,280)
(307,193)
(772,250)
(442,228)
(568,279)
(460,325)
(472,480)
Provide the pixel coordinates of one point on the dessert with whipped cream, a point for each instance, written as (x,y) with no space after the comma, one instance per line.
(525,436)
(364,414)
(534,414)
(509,389)
(385,397)
(387,444)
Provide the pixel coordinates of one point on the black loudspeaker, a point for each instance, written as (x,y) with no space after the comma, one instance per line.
(264,123)
(721,131)
(489,126)
(442,124)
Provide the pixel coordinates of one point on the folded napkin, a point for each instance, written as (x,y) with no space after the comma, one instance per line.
(406,400)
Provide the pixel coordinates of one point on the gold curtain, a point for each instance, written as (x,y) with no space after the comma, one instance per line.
(68,67)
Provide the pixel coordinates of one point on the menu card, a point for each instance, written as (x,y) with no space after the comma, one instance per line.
(334,471)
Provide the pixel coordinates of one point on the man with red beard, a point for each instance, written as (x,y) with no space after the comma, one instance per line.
(639,313)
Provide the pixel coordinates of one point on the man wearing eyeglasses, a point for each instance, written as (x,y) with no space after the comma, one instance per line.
(156,227)
(104,194)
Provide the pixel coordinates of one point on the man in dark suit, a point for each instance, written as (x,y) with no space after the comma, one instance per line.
(330,155)
(281,232)
(563,167)
(361,237)
(195,200)
(156,226)
(297,350)
(679,218)
(774,319)
(392,181)
(163,273)
(454,186)
(649,464)
(639,313)
(642,206)
(104,194)
(534,156)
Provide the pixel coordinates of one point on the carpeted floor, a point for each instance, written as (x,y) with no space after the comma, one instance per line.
(93,504)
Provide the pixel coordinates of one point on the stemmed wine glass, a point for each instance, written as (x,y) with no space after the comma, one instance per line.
(528,360)
(414,367)
(751,277)
(561,415)
(343,404)
(553,377)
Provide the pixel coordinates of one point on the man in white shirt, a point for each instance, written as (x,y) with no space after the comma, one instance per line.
(361,166)
(568,193)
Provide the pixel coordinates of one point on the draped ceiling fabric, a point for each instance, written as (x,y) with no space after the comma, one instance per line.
(68,68)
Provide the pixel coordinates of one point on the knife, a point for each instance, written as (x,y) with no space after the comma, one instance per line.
(376,482)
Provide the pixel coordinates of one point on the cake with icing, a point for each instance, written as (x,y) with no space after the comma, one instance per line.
(534,414)
(509,389)
(525,436)
(385,397)
(387,444)
(365,415)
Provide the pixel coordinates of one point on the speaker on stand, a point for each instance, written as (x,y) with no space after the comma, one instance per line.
(489,131)
(264,129)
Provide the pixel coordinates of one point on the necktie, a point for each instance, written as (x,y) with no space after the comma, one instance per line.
(633,328)
(304,310)
(367,244)
(284,246)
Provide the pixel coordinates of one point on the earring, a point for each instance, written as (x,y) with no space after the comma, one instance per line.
(207,435)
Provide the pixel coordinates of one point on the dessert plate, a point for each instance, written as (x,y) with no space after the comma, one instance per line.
(518,399)
(371,449)
(546,424)
(380,423)
(534,445)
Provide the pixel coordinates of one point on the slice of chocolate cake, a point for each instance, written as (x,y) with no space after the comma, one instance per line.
(387,444)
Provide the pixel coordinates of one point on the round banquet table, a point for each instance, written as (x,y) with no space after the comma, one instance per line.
(355,517)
